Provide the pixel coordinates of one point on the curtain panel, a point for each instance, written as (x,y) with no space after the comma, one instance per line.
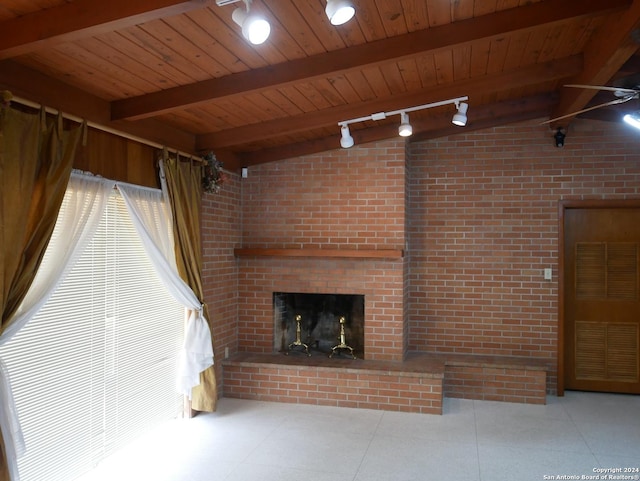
(151,217)
(36,157)
(182,184)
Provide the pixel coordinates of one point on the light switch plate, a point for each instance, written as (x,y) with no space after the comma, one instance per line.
(547,274)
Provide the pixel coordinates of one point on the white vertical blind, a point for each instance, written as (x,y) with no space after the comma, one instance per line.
(97,365)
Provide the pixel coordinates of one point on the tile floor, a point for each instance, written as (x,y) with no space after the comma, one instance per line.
(569,438)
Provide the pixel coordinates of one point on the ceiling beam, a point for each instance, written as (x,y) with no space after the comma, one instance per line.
(606,53)
(41,89)
(483,117)
(359,56)
(475,87)
(80,19)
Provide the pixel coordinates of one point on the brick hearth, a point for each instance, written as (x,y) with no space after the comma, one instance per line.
(412,386)
(416,385)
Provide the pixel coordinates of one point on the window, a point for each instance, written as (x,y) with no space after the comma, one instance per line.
(97,365)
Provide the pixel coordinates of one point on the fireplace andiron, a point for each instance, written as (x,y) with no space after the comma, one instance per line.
(298,342)
(343,344)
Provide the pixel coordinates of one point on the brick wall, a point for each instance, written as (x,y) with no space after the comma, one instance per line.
(339,200)
(356,388)
(484,224)
(221,233)
(481,223)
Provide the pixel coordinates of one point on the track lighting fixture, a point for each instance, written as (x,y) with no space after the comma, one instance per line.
(559,137)
(405,129)
(254,27)
(460,117)
(633,119)
(339,11)
(346,140)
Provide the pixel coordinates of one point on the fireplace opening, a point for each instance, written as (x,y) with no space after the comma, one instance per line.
(312,324)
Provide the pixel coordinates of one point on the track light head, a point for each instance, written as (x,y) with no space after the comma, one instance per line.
(632,119)
(254,27)
(460,117)
(405,129)
(559,137)
(339,11)
(346,140)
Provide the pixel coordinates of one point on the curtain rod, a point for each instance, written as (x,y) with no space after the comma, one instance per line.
(104,128)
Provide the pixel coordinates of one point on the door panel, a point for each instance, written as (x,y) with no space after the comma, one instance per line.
(602,300)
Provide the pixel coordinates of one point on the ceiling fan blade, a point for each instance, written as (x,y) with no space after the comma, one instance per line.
(603,87)
(573,114)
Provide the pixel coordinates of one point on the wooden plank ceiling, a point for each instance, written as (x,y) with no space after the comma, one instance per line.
(180,73)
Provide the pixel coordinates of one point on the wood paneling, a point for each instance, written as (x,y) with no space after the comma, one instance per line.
(116,158)
(186,66)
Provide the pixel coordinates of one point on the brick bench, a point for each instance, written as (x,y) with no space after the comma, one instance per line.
(417,384)
(493,378)
(407,387)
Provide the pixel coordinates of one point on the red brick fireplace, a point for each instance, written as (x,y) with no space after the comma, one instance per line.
(327,224)
(447,249)
(379,280)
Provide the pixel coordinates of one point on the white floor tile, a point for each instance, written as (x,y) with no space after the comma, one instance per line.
(406,459)
(554,409)
(249,472)
(333,420)
(336,452)
(618,409)
(471,441)
(622,462)
(459,426)
(536,431)
(508,463)
(605,438)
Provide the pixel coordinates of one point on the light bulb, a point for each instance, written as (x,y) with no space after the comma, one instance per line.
(254,28)
(405,129)
(632,119)
(339,11)
(346,140)
(460,117)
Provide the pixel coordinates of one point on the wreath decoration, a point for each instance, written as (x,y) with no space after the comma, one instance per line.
(213,177)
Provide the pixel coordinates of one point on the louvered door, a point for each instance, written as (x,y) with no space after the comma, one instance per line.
(602,300)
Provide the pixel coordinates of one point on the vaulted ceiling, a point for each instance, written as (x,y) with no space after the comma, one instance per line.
(179,73)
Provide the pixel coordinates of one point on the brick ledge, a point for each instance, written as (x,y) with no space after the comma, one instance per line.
(389,386)
(417,384)
(414,365)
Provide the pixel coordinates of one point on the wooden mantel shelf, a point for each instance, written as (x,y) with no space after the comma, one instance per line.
(303,252)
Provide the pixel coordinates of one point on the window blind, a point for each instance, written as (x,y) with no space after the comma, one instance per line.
(97,365)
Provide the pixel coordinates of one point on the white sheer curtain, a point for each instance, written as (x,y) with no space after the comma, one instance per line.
(151,216)
(85,200)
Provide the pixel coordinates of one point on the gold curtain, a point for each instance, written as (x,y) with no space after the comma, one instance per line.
(184,186)
(36,157)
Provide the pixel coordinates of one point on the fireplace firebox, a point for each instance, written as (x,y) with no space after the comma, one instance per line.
(319,324)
